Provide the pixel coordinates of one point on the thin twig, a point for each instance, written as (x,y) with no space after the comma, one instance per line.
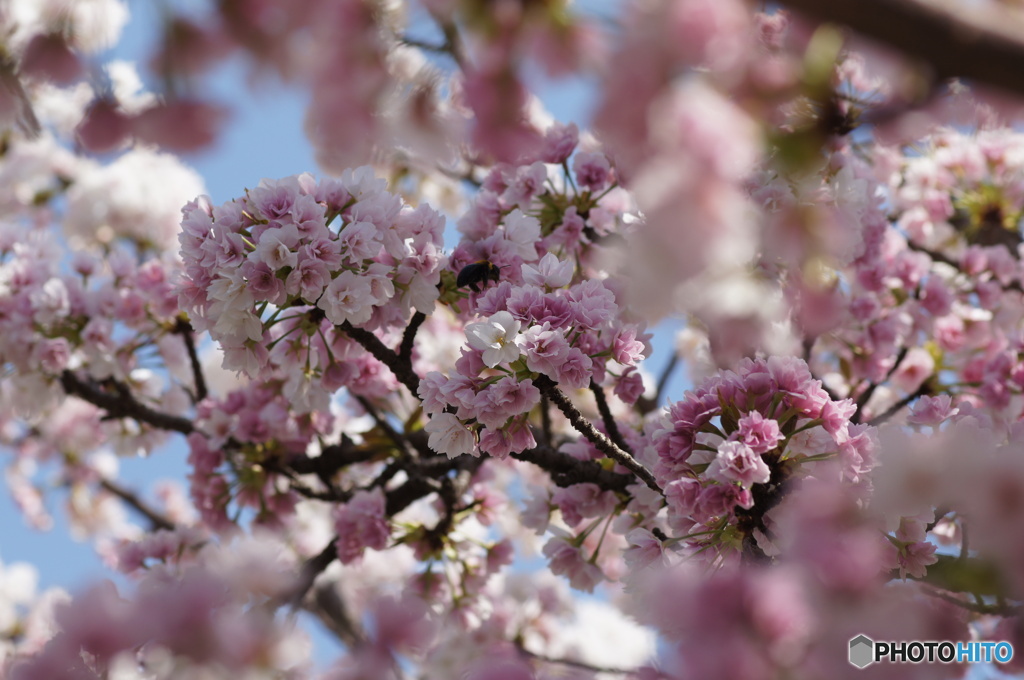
(184,329)
(574,664)
(977,608)
(331,495)
(606,416)
(601,442)
(157,520)
(383,424)
(437,48)
(939,257)
(899,405)
(865,396)
(673,361)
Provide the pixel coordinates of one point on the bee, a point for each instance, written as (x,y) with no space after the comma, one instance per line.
(479,272)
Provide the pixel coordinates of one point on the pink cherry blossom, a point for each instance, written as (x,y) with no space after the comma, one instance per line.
(361,523)
(737,462)
(448,435)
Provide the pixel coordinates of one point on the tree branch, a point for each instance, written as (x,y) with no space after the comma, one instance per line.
(939,257)
(950,573)
(409,337)
(157,520)
(924,389)
(576,664)
(398,440)
(545,420)
(865,396)
(332,458)
(184,329)
(311,568)
(984,609)
(666,372)
(421,482)
(970,41)
(601,442)
(566,470)
(606,416)
(452,41)
(382,353)
(437,48)
(123,404)
(330,608)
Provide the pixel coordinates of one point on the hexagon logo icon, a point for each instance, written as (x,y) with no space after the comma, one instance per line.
(862,651)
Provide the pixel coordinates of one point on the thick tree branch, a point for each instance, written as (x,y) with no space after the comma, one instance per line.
(545,420)
(409,337)
(423,478)
(123,404)
(964,40)
(566,470)
(332,458)
(601,442)
(382,353)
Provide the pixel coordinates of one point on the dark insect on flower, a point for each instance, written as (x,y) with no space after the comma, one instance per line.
(479,272)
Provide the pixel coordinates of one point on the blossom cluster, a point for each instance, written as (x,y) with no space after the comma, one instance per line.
(543,228)
(740,438)
(272,279)
(569,335)
(205,625)
(564,199)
